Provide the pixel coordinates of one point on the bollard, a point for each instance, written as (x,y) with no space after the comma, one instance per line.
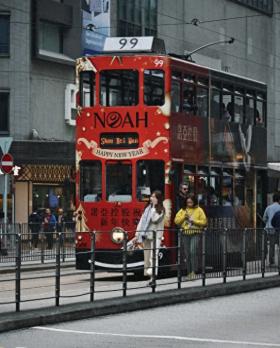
(224,255)
(244,253)
(43,243)
(154,251)
(179,258)
(124,259)
(263,253)
(203,259)
(18,271)
(57,271)
(92,266)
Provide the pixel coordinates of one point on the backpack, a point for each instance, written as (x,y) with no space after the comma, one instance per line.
(275,222)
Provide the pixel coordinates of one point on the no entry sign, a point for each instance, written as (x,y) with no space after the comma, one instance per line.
(7,163)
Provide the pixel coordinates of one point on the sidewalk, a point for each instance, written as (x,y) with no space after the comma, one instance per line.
(43,316)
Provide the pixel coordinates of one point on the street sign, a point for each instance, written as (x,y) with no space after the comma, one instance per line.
(7,163)
(5,143)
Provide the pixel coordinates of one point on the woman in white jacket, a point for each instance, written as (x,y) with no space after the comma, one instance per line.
(151,220)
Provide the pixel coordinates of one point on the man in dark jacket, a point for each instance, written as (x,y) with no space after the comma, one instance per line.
(275,222)
(35,223)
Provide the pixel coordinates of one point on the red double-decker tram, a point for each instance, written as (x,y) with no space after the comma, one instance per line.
(150,121)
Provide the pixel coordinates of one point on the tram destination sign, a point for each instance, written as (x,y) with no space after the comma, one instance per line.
(128,44)
(119,140)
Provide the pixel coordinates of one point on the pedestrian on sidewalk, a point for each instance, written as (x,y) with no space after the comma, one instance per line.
(151,222)
(34,222)
(267,218)
(49,224)
(192,219)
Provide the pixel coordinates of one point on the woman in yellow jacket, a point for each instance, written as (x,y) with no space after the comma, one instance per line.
(192,220)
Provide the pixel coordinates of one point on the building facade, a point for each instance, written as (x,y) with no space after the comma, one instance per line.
(39,42)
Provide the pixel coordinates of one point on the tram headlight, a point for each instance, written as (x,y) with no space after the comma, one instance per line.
(117,235)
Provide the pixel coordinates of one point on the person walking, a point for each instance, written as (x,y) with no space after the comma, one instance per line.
(268,215)
(182,195)
(152,221)
(192,219)
(34,222)
(49,224)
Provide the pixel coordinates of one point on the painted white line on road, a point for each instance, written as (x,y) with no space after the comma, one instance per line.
(178,338)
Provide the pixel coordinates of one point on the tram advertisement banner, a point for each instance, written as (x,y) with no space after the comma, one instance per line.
(96,24)
(236,143)
(189,138)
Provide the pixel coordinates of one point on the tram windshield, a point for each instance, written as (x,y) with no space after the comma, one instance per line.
(118,181)
(90,181)
(150,177)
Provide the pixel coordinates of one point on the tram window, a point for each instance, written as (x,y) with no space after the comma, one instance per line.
(215,100)
(154,87)
(118,181)
(87,88)
(227,185)
(227,104)
(119,87)
(249,107)
(189,102)
(239,106)
(260,110)
(176,92)
(202,98)
(239,188)
(90,181)
(150,177)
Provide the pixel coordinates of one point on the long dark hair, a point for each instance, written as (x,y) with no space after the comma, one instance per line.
(193,198)
(159,206)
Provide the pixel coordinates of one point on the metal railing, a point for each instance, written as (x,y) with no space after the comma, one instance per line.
(203,256)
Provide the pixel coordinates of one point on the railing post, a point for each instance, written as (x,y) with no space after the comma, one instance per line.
(57,271)
(92,266)
(124,259)
(224,255)
(18,270)
(203,256)
(244,253)
(63,241)
(154,251)
(43,244)
(263,253)
(179,257)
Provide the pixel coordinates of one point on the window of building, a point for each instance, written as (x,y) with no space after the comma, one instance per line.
(4,112)
(118,181)
(150,177)
(265,6)
(4,34)
(50,37)
(154,87)
(47,196)
(90,181)
(119,87)
(87,88)
(137,18)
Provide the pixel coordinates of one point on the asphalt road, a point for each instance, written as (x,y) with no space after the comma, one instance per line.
(245,320)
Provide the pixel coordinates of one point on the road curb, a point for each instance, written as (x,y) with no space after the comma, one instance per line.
(52,315)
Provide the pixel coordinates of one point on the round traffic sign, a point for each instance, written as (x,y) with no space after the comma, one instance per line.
(7,163)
